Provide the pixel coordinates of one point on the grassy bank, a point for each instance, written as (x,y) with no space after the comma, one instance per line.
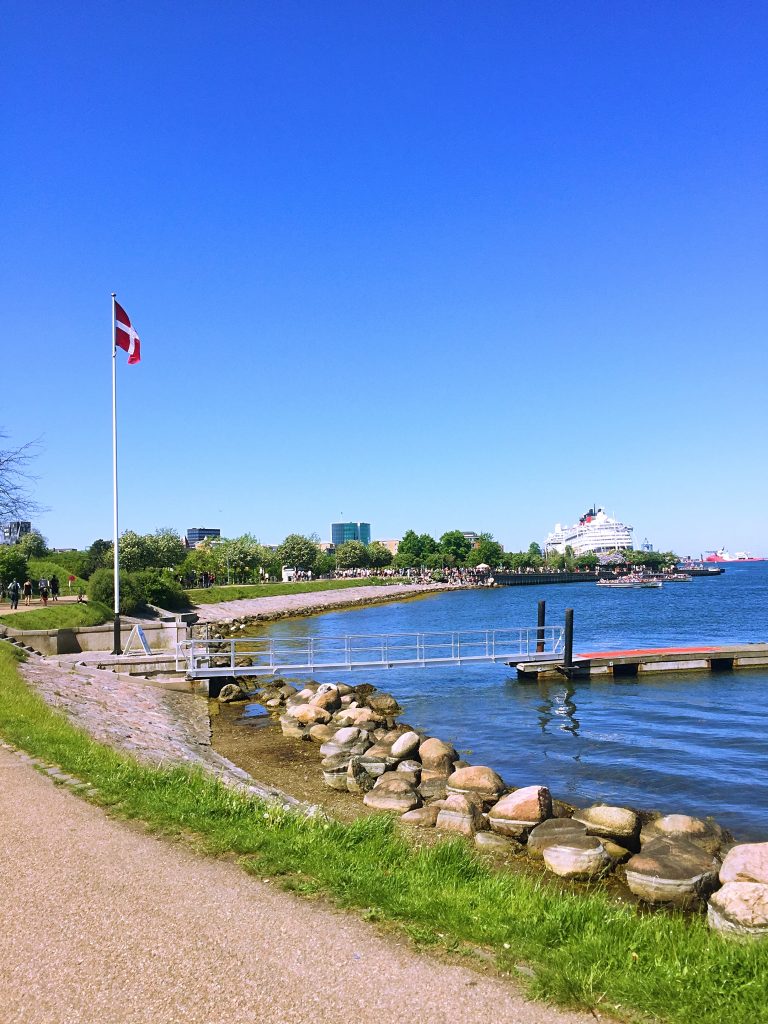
(213,595)
(60,616)
(585,948)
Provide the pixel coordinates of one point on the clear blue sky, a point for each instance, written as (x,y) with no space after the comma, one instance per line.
(431,265)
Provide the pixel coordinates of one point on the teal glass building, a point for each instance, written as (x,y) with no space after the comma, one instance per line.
(343,532)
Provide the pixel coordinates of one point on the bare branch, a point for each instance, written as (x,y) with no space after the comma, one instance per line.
(15,500)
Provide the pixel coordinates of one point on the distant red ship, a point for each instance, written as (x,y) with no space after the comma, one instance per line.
(721,555)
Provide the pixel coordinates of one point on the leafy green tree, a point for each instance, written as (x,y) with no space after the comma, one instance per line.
(98,556)
(33,544)
(409,548)
(378,555)
(488,551)
(165,549)
(135,552)
(298,552)
(13,564)
(589,560)
(324,564)
(405,560)
(534,550)
(101,588)
(351,555)
(455,544)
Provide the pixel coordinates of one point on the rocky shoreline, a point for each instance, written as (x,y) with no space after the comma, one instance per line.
(672,860)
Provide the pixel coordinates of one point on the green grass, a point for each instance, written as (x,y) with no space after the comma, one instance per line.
(585,948)
(60,616)
(39,567)
(212,595)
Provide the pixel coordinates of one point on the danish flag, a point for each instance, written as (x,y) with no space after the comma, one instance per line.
(125,336)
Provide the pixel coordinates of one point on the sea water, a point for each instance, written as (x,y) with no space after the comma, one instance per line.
(693,743)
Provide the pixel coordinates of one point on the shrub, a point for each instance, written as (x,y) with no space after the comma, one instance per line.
(161,589)
(101,588)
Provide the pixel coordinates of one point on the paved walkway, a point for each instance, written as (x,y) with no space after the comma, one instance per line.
(101,923)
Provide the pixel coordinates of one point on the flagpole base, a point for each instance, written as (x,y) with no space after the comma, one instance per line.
(116,649)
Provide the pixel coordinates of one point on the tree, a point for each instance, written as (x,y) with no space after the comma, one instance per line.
(135,552)
(378,555)
(13,564)
(166,549)
(298,552)
(534,550)
(488,551)
(98,556)
(454,543)
(33,544)
(351,555)
(15,501)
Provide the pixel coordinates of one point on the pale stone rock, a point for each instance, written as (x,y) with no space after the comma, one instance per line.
(706,834)
(362,718)
(335,771)
(554,831)
(436,757)
(327,697)
(747,862)
(306,714)
(321,733)
(406,744)
(291,728)
(384,703)
(490,842)
(580,857)
(392,794)
(618,823)
(230,692)
(518,812)
(740,910)
(478,779)
(341,739)
(461,812)
(618,854)
(422,817)
(671,871)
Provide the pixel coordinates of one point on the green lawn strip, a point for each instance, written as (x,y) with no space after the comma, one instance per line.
(46,567)
(586,948)
(60,616)
(213,595)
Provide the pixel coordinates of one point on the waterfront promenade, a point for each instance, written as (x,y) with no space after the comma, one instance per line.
(204,944)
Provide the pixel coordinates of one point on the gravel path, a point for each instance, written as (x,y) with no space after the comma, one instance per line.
(100,922)
(308,604)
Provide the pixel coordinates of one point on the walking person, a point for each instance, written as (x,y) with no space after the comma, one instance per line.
(13,592)
(44,592)
(54,587)
(27,591)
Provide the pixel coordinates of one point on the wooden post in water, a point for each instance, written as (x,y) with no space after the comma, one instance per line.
(542,618)
(568,653)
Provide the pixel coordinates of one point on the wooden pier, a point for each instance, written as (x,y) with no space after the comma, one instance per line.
(529,579)
(622,664)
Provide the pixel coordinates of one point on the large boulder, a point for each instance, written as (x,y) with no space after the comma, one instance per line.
(705,834)
(362,718)
(491,842)
(342,740)
(740,909)
(231,692)
(321,733)
(554,831)
(327,697)
(477,779)
(436,758)
(463,813)
(619,824)
(432,788)
(518,812)
(383,703)
(306,714)
(421,817)
(392,794)
(672,871)
(411,770)
(335,771)
(291,728)
(747,862)
(579,857)
(358,779)
(406,744)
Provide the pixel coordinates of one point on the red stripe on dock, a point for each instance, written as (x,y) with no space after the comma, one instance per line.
(639,652)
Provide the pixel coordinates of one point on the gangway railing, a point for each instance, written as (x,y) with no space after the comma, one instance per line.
(260,656)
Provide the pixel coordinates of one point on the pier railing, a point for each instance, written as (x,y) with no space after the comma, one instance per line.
(255,656)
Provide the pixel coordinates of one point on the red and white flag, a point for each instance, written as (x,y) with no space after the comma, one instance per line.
(125,336)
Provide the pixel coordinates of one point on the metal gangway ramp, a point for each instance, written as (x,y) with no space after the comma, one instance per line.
(264,656)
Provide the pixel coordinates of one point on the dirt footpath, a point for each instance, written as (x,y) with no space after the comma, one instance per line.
(100,922)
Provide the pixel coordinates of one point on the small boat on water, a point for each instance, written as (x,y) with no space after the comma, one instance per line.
(631,582)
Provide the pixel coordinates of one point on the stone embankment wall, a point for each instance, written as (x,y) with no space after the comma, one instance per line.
(161,636)
(673,860)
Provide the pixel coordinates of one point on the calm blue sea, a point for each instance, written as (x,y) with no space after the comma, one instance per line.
(689,743)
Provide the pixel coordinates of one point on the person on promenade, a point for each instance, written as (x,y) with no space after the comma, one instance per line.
(44,592)
(27,591)
(14,590)
(54,587)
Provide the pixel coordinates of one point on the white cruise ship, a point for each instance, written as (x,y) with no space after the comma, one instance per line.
(595,532)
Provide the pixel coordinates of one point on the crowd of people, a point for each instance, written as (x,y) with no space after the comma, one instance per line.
(47,589)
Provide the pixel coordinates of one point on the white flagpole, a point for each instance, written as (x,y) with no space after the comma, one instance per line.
(116,644)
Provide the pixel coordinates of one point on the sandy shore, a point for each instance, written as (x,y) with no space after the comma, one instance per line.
(285,605)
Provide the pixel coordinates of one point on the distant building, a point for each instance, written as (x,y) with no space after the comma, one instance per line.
(472,537)
(646,545)
(390,545)
(343,532)
(197,534)
(11,533)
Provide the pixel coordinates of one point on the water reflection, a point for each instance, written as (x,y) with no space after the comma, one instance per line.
(558,706)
